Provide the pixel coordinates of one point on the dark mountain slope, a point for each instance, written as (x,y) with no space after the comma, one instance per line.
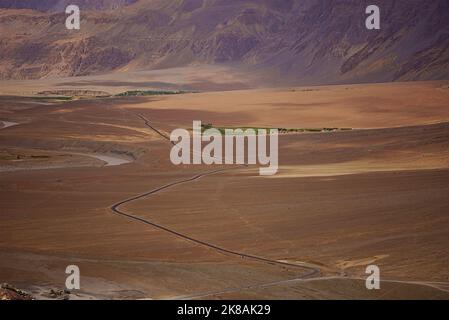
(307,41)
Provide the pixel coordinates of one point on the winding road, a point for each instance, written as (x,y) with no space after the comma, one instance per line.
(310,270)
(441,286)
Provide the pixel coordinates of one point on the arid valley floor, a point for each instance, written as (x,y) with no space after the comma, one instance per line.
(376,193)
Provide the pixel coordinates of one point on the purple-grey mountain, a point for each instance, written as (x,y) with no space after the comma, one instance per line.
(303,41)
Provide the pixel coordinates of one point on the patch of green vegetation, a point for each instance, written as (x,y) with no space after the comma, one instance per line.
(222,130)
(10,156)
(136,93)
(7,157)
(51,98)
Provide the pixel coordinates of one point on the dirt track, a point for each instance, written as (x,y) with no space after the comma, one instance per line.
(313,271)
(341,200)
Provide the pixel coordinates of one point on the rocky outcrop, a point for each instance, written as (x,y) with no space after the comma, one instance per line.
(8,292)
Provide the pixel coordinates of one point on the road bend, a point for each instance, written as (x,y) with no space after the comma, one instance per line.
(310,270)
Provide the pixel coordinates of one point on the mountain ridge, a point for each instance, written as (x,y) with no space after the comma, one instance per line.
(310,41)
(60,5)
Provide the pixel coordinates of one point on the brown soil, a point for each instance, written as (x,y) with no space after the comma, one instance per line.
(341,201)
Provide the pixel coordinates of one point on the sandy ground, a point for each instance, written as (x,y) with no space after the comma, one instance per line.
(341,201)
(356,106)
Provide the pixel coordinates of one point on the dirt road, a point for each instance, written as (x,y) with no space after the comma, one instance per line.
(310,270)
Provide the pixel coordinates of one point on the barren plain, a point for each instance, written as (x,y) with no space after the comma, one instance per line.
(375,193)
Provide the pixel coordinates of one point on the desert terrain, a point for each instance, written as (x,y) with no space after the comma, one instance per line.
(88,181)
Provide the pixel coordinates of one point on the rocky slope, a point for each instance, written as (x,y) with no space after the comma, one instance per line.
(8,292)
(60,5)
(307,41)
